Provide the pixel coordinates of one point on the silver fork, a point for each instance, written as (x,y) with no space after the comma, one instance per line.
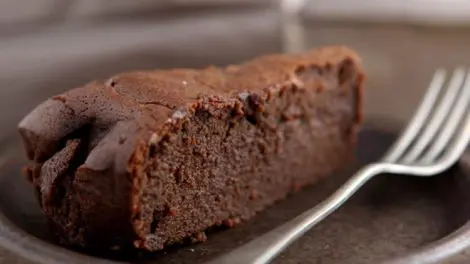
(433,141)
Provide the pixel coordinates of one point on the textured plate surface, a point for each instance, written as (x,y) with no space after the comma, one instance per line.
(392,217)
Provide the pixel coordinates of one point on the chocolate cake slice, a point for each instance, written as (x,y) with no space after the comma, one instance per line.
(152,158)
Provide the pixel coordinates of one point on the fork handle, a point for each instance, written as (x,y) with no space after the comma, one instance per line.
(264,248)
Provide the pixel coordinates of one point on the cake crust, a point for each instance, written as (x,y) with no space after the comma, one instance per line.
(152,158)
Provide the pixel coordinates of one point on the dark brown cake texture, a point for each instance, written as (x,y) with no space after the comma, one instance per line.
(152,158)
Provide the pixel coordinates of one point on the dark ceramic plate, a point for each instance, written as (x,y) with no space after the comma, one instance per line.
(393,218)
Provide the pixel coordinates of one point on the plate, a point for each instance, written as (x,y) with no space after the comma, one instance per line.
(397,219)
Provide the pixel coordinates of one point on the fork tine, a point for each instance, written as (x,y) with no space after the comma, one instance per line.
(435,122)
(458,146)
(420,116)
(451,125)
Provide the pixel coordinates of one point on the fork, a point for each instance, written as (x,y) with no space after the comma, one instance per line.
(433,141)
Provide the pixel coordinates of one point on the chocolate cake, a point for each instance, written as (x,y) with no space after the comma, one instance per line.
(153,158)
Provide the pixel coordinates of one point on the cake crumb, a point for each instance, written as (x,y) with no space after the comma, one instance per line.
(199,237)
(172,212)
(178,114)
(59,98)
(153,139)
(231,222)
(111,82)
(228,223)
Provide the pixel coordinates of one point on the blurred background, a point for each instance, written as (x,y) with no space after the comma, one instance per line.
(47,46)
